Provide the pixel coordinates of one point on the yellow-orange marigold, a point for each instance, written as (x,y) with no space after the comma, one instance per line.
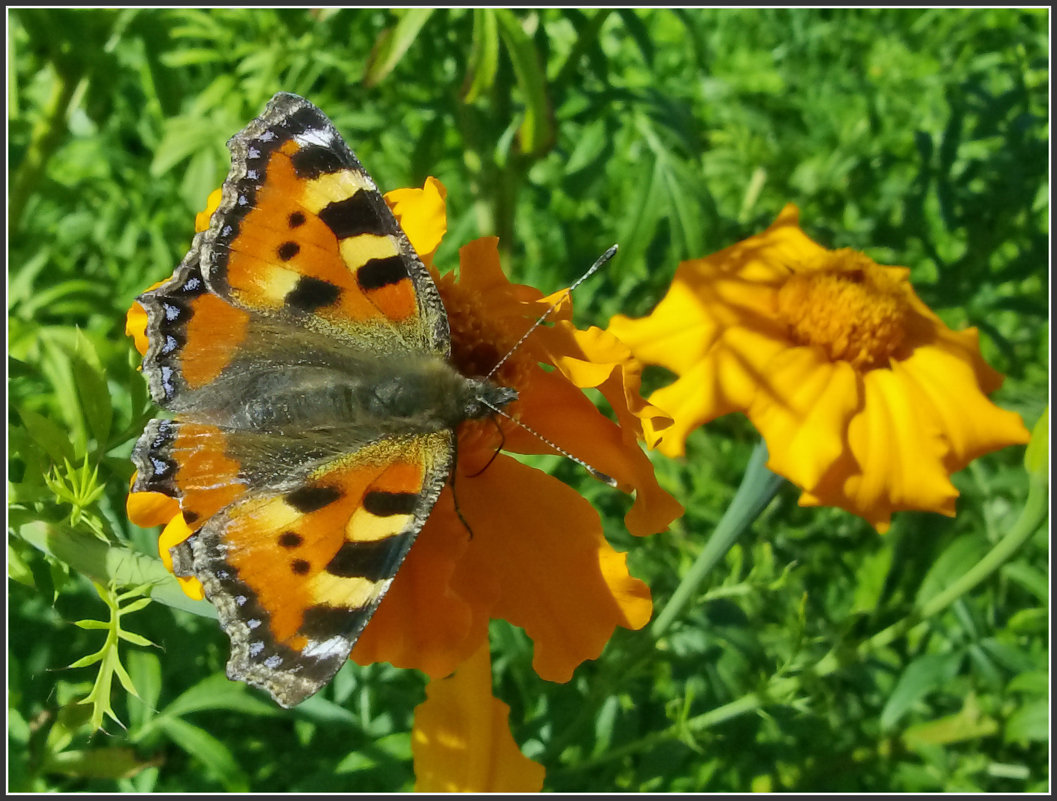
(865,398)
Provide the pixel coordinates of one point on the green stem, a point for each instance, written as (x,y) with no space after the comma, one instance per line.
(758,488)
(45,139)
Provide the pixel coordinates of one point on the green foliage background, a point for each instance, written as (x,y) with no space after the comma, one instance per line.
(919,136)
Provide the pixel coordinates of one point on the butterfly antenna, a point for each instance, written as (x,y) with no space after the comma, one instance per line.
(593,471)
(594,268)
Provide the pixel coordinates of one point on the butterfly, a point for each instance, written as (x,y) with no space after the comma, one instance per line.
(302,349)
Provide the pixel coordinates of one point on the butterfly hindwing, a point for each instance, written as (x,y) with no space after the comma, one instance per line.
(295,574)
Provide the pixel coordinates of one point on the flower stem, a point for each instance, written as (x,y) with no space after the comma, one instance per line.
(758,487)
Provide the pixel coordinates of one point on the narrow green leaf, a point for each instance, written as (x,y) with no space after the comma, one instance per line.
(122,674)
(207,749)
(960,555)
(47,434)
(922,676)
(135,639)
(870,578)
(135,606)
(219,692)
(537,129)
(484,55)
(91,659)
(392,45)
(91,624)
(145,669)
(639,226)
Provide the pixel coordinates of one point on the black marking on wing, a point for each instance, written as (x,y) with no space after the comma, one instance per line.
(378,273)
(354,216)
(384,504)
(373,560)
(312,499)
(312,293)
(322,622)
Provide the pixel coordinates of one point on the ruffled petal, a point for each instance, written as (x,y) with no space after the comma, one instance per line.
(461,739)
(541,543)
(149,509)
(422,214)
(802,412)
(172,535)
(971,424)
(725,380)
(553,405)
(898,453)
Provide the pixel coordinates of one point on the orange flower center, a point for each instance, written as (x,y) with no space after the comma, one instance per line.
(849,306)
(478,342)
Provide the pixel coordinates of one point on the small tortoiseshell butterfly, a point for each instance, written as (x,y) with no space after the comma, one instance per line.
(302,348)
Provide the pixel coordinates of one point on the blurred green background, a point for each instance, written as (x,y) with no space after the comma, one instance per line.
(919,136)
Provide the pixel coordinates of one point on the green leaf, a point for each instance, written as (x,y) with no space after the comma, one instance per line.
(47,434)
(968,724)
(393,44)
(484,55)
(870,578)
(1029,578)
(922,676)
(91,659)
(960,555)
(219,692)
(1029,723)
(1034,681)
(537,130)
(91,624)
(639,226)
(145,669)
(92,390)
(17,567)
(207,749)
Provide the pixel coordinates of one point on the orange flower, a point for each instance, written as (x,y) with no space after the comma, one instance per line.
(537,548)
(535,553)
(866,400)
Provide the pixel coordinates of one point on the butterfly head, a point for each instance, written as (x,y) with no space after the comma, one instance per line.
(488,398)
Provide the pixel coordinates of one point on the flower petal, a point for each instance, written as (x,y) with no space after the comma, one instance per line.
(148,509)
(203,217)
(173,534)
(136,327)
(558,410)
(541,543)
(725,380)
(972,425)
(422,215)
(801,409)
(735,286)
(895,459)
(461,738)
